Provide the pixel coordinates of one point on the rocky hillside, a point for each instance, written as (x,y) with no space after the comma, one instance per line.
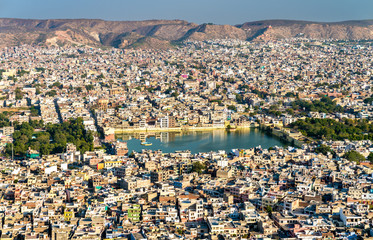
(163,33)
(277,29)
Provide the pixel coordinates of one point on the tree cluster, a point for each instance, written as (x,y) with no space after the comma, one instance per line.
(330,129)
(4,120)
(52,139)
(325,105)
(354,156)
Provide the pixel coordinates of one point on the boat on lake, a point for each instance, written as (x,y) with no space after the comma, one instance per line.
(146,143)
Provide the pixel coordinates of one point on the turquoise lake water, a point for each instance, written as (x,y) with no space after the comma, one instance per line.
(201,141)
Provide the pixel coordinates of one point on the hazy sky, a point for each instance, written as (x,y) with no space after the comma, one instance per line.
(198,11)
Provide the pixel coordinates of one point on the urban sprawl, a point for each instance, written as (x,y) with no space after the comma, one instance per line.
(65,175)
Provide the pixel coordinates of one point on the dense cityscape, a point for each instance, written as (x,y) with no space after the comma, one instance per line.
(67,174)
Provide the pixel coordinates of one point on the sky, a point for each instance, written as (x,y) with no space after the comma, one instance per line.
(197,11)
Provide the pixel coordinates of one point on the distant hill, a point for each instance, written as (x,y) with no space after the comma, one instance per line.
(277,29)
(162,34)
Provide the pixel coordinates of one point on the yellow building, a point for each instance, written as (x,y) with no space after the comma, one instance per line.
(68,215)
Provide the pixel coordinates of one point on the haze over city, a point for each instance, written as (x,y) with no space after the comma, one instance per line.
(198,11)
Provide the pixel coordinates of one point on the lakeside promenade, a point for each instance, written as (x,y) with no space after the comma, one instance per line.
(179,129)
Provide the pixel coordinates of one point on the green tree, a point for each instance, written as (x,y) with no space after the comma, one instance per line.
(56,84)
(354,156)
(369,100)
(232,107)
(370,157)
(290,94)
(101,76)
(323,149)
(290,111)
(269,209)
(51,93)
(89,87)
(22,72)
(4,120)
(198,167)
(40,69)
(175,94)
(34,111)
(19,94)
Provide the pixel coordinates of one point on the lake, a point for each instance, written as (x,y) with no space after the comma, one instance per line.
(204,141)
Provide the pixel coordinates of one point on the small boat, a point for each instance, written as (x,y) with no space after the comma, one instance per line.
(231,128)
(146,143)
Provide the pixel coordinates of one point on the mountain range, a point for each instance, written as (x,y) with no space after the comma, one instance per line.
(163,34)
